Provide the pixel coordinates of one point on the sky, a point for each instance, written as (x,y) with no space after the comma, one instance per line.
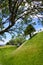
(38,26)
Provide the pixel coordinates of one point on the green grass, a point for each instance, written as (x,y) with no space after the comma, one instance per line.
(5,52)
(29,53)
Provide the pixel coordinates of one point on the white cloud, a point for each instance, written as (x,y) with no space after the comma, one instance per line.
(39,15)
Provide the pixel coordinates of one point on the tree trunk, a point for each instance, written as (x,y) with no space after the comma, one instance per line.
(30,35)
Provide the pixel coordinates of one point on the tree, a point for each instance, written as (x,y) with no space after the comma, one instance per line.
(17,41)
(29,29)
(13,10)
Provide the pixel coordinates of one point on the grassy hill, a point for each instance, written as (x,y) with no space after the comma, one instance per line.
(29,53)
(5,52)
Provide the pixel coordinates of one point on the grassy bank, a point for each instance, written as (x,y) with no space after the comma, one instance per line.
(29,53)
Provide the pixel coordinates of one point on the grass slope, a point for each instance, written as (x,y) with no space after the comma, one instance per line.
(30,53)
(5,52)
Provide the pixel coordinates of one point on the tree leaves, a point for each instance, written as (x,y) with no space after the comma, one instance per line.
(28,1)
(29,29)
(18,9)
(0,19)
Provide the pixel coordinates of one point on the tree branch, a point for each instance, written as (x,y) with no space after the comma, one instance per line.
(13,16)
(6,29)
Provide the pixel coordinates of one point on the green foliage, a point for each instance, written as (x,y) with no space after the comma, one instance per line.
(0,19)
(4,6)
(42,22)
(28,1)
(14,10)
(29,29)
(17,41)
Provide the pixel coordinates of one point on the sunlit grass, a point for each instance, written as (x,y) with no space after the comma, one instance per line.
(29,53)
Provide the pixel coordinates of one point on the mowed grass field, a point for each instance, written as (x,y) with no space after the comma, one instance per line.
(29,53)
(5,52)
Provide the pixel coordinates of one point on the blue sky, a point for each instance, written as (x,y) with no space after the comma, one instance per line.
(38,26)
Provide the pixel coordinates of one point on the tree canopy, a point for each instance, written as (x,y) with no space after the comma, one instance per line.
(17,41)
(13,10)
(29,30)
